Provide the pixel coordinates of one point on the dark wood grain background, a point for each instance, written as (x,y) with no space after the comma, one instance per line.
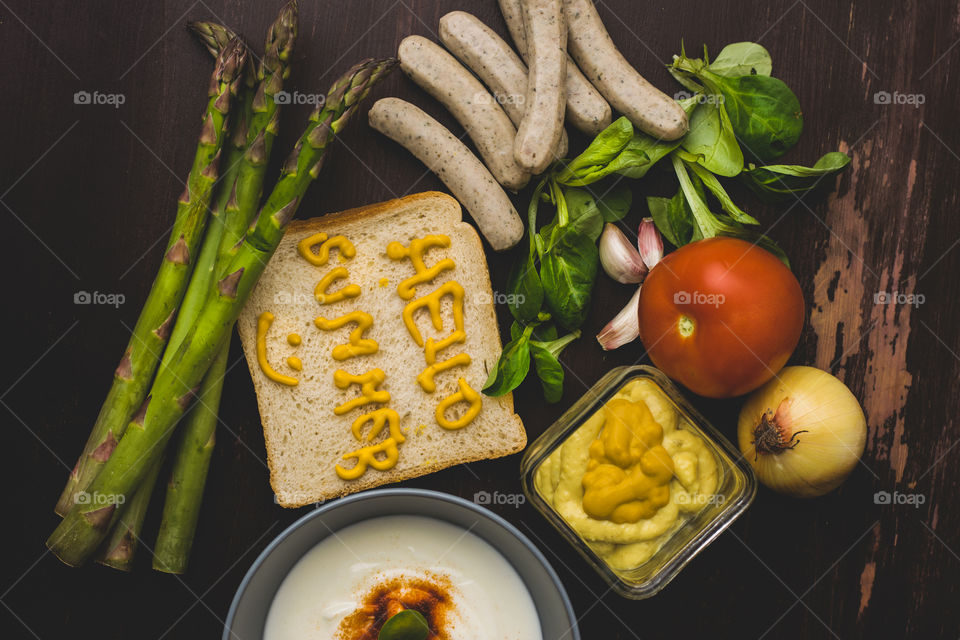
(88,193)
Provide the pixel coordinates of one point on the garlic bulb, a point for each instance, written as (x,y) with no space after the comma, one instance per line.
(650,243)
(624,328)
(619,258)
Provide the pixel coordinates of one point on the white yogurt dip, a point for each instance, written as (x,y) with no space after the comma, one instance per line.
(485,597)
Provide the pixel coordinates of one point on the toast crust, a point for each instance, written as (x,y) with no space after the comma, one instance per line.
(372,478)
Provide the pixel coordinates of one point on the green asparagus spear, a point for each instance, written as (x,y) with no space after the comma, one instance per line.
(121,546)
(181,509)
(211,35)
(85,526)
(136,369)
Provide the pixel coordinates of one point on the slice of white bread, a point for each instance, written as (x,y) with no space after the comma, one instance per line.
(304,439)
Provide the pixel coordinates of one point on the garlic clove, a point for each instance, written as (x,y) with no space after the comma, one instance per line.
(650,243)
(624,328)
(619,259)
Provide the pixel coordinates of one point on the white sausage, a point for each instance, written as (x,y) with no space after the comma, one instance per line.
(539,131)
(586,108)
(440,75)
(648,108)
(454,164)
(495,63)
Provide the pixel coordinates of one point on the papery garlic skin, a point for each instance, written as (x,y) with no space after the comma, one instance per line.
(620,260)
(803,432)
(624,328)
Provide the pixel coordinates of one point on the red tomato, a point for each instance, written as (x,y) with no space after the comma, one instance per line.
(720,316)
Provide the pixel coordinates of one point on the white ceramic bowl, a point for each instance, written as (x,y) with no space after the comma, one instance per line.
(248,612)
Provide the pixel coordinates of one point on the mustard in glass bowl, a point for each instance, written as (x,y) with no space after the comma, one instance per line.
(636,480)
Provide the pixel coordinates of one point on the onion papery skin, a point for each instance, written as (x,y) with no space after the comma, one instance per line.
(822,427)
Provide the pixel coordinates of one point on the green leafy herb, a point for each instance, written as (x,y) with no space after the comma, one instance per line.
(778,182)
(672,217)
(764,112)
(550,372)
(568,271)
(605,147)
(405,625)
(713,185)
(713,140)
(584,214)
(742,59)
(525,290)
(613,204)
(512,367)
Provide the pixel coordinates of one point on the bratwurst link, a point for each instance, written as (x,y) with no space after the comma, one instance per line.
(648,108)
(539,131)
(440,75)
(455,165)
(493,60)
(586,108)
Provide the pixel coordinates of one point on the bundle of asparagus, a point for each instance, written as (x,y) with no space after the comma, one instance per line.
(175,362)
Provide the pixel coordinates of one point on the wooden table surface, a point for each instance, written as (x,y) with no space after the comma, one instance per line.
(88,193)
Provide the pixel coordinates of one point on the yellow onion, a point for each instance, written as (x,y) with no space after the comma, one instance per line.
(803,432)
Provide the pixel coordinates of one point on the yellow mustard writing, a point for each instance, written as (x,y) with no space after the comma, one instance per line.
(305,248)
(408,288)
(368,383)
(431,301)
(359,346)
(347,291)
(465,394)
(366,457)
(433,347)
(263,326)
(425,379)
